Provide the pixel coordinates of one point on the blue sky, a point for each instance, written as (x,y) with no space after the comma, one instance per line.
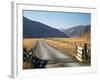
(59,20)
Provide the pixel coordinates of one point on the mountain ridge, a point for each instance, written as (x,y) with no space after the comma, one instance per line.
(77,31)
(34,29)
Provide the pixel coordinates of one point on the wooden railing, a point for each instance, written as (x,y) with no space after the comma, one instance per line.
(82,53)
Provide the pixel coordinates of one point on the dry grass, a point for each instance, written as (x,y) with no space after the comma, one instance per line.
(29,42)
(75,41)
(63,46)
(68,44)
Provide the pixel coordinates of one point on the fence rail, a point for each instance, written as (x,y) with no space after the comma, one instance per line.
(83,54)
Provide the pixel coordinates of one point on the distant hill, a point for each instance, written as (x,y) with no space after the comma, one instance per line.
(77,31)
(34,29)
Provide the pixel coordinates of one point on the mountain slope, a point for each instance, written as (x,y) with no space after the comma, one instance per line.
(34,29)
(77,31)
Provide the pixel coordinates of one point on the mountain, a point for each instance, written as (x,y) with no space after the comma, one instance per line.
(77,31)
(34,29)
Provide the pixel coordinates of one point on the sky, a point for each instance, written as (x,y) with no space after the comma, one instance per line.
(59,20)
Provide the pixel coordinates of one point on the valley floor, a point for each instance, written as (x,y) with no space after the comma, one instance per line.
(57,55)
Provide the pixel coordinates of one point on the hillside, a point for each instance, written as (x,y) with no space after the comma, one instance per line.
(77,31)
(34,29)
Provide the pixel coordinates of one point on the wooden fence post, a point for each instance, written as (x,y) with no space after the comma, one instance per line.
(85,52)
(75,48)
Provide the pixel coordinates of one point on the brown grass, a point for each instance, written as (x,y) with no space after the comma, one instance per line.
(29,42)
(63,46)
(68,44)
